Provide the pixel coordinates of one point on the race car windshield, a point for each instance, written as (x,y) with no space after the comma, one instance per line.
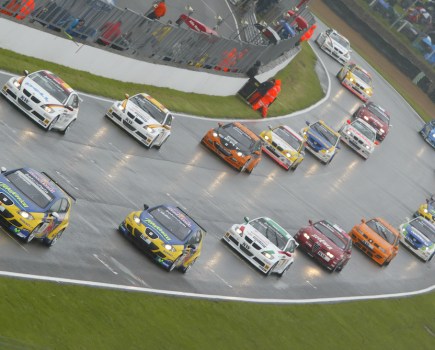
(362,75)
(31,188)
(327,230)
(288,137)
(149,108)
(363,129)
(382,231)
(173,221)
(55,86)
(271,232)
(425,227)
(379,113)
(234,138)
(325,133)
(340,40)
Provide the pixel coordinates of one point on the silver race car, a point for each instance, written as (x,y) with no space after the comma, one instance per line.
(360,136)
(264,243)
(45,98)
(144,118)
(335,44)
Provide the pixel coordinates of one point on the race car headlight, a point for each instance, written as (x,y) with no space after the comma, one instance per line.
(425,210)
(351,79)
(121,107)
(366,118)
(433,135)
(48,109)
(368,91)
(151,130)
(306,235)
(169,248)
(266,137)
(267,255)
(368,147)
(348,132)
(215,134)
(288,155)
(136,219)
(330,255)
(240,154)
(17,84)
(26,215)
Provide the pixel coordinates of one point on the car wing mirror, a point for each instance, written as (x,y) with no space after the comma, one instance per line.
(310,222)
(363,220)
(145,207)
(246,219)
(3,169)
(376,142)
(269,127)
(26,72)
(127,96)
(307,122)
(55,214)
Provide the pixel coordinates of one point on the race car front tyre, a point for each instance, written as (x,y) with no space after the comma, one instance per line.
(175,263)
(187,268)
(64,131)
(52,124)
(271,269)
(284,271)
(52,242)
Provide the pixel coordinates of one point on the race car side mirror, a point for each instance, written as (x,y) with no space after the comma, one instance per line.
(257,153)
(26,72)
(310,222)
(145,207)
(363,221)
(246,219)
(191,246)
(407,219)
(269,127)
(376,142)
(307,122)
(127,96)
(3,169)
(55,215)
(220,124)
(348,121)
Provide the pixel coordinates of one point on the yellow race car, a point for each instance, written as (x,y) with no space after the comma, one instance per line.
(357,80)
(427,210)
(32,205)
(167,234)
(284,145)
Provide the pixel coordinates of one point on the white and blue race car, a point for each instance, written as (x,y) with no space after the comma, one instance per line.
(418,235)
(428,133)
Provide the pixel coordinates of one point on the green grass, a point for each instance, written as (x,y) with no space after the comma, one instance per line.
(300,87)
(52,316)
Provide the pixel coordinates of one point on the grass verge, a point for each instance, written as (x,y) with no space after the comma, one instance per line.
(300,87)
(45,315)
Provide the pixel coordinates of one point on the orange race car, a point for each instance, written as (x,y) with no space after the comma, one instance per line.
(235,144)
(377,239)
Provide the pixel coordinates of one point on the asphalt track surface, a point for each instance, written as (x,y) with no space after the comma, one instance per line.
(111,174)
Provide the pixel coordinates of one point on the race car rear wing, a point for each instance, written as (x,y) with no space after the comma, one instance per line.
(61,187)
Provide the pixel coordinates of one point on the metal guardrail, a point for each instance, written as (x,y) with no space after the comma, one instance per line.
(97,23)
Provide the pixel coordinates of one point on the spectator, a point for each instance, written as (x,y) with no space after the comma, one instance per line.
(268,99)
(19,9)
(110,31)
(262,89)
(253,71)
(158,11)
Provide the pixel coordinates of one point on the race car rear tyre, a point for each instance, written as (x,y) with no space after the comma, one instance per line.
(187,268)
(52,124)
(64,131)
(271,269)
(52,242)
(175,263)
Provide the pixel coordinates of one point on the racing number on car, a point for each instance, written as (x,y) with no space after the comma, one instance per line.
(245,245)
(24,99)
(129,121)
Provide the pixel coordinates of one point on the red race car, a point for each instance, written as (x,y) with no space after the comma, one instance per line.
(327,243)
(376,116)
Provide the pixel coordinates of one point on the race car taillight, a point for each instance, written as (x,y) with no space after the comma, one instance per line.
(285,253)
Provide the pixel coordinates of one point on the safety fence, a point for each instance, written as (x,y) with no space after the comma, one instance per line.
(98,23)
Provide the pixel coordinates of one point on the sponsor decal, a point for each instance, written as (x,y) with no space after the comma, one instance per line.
(157,228)
(321,240)
(14,194)
(42,180)
(182,217)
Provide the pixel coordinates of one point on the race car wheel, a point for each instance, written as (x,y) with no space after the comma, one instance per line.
(294,167)
(430,258)
(64,131)
(30,237)
(158,146)
(243,168)
(175,263)
(187,268)
(52,242)
(285,270)
(52,124)
(338,267)
(386,263)
(271,269)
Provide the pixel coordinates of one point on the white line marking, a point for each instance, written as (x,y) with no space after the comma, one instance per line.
(211,296)
(312,285)
(128,272)
(105,264)
(13,239)
(223,280)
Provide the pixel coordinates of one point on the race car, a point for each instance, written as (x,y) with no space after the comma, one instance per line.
(33,205)
(418,235)
(428,133)
(264,243)
(143,117)
(376,116)
(45,98)
(327,243)
(284,146)
(321,140)
(359,136)
(334,44)
(167,234)
(356,80)
(427,210)
(377,239)
(235,144)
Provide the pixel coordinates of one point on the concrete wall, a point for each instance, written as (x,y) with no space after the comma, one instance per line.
(40,44)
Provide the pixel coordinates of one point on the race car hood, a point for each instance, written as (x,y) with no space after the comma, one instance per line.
(40,93)
(418,239)
(317,141)
(358,134)
(317,237)
(341,48)
(134,109)
(155,230)
(360,82)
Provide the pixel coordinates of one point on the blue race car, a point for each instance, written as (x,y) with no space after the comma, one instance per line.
(428,133)
(418,235)
(167,234)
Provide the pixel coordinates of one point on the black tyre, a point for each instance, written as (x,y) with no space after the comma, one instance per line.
(175,263)
(64,131)
(188,267)
(52,242)
(285,270)
(52,124)
(268,273)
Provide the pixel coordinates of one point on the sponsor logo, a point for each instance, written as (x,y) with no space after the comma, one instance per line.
(14,194)
(157,228)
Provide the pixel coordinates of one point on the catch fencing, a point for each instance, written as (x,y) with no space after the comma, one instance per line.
(97,23)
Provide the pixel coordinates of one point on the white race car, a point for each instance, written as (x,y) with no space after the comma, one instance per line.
(143,117)
(45,98)
(335,44)
(264,244)
(360,136)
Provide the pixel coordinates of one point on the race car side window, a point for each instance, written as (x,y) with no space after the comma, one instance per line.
(73,101)
(168,120)
(64,206)
(196,238)
(56,206)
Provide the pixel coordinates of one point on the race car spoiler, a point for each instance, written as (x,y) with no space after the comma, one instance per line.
(202,228)
(60,186)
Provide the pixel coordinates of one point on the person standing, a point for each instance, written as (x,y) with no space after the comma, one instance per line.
(159,10)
